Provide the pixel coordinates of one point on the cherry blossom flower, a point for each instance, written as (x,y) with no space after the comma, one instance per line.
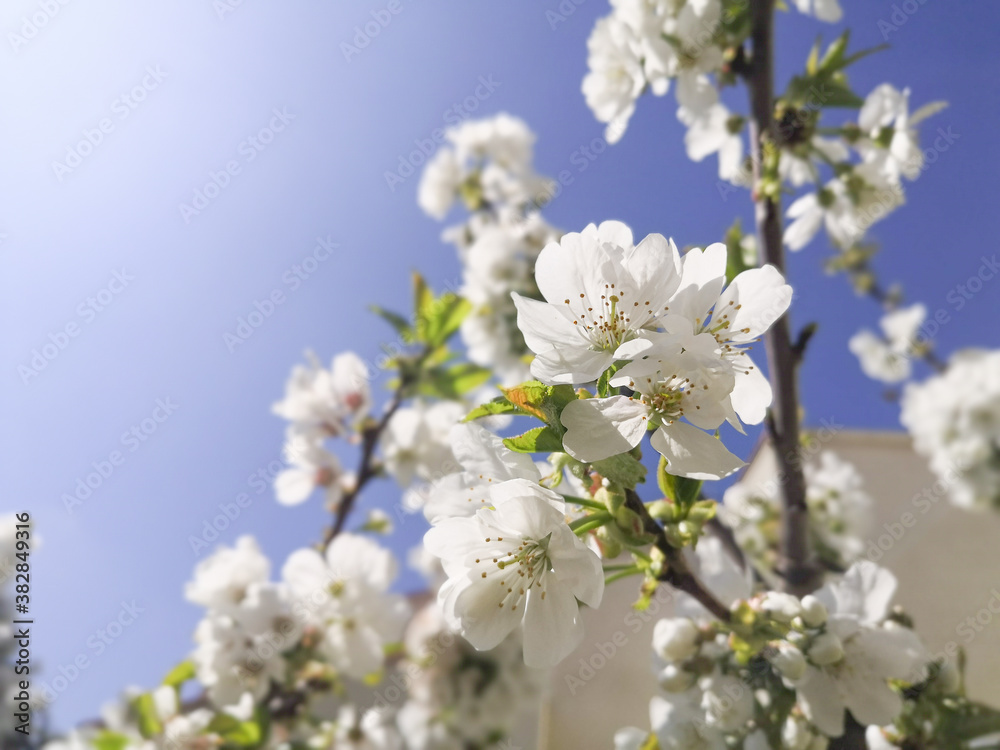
(344,594)
(485,463)
(600,290)
(859,654)
(310,467)
(325,403)
(890,131)
(517,564)
(954,419)
(888,358)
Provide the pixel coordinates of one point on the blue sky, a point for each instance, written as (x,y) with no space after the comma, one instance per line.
(172,94)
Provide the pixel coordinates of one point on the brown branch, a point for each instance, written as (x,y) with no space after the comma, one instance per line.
(366,469)
(677,573)
(797,567)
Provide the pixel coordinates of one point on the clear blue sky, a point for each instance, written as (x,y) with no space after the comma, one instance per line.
(161,335)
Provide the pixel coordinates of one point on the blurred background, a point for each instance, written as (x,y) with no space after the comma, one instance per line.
(228,139)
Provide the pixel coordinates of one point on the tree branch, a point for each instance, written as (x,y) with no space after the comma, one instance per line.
(678,574)
(366,468)
(800,573)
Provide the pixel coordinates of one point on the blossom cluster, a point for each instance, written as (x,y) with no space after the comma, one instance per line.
(839,514)
(783,673)
(644,45)
(487,164)
(954,419)
(886,144)
(320,404)
(664,327)
(889,357)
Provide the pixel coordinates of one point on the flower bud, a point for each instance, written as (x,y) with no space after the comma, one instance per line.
(813,612)
(728,703)
(795,734)
(789,661)
(781,607)
(673,679)
(675,639)
(826,649)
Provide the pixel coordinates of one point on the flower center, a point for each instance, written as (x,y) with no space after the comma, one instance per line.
(517,571)
(613,320)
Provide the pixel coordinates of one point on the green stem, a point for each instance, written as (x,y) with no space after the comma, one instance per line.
(632,570)
(584,502)
(589,523)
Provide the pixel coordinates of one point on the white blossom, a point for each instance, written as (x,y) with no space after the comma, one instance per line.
(888,358)
(824,10)
(954,419)
(321,402)
(517,564)
(415,442)
(858,653)
(600,290)
(344,595)
(890,134)
(222,580)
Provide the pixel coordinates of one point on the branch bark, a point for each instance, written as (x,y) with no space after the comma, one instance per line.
(678,574)
(366,470)
(800,573)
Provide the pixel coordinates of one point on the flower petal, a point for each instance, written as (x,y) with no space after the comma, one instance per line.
(692,453)
(552,626)
(597,428)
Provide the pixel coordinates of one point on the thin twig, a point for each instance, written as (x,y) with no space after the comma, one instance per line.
(366,469)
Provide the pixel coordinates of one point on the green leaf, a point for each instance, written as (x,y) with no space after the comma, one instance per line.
(106,740)
(234,731)
(542,401)
(624,469)
(452,382)
(499,405)
(443,317)
(683,491)
(735,263)
(397,321)
(180,674)
(538,440)
(423,297)
(145,710)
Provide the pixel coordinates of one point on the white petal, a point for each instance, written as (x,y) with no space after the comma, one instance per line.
(597,428)
(552,626)
(751,394)
(821,702)
(753,301)
(704,273)
(483,454)
(352,556)
(692,453)
(484,624)
(577,567)
(294,485)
